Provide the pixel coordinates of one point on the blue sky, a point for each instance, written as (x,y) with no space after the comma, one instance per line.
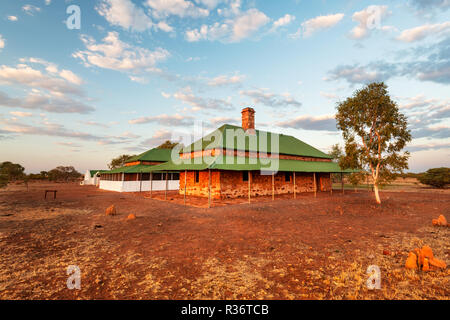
(137,72)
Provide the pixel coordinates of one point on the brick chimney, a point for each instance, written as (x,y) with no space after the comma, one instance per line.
(248,119)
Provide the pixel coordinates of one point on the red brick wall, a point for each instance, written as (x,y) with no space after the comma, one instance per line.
(230,184)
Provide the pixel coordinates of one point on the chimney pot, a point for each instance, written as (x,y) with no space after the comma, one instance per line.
(248,119)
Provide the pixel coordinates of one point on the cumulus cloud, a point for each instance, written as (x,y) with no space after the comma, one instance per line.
(426,63)
(368,20)
(235,29)
(356,74)
(12,18)
(2,42)
(164,119)
(47,102)
(270,99)
(46,88)
(114,54)
(199,103)
(182,8)
(224,80)
(25,75)
(306,122)
(421,32)
(283,21)
(319,23)
(158,138)
(124,13)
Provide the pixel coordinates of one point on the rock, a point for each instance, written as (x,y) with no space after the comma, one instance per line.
(427,252)
(411,262)
(441,221)
(386,252)
(438,263)
(111,210)
(426,265)
(131,216)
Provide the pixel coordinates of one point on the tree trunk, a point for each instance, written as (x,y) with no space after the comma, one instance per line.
(377,196)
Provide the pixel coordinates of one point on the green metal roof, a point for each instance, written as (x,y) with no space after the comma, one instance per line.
(154,154)
(226,137)
(139,168)
(93,172)
(249,164)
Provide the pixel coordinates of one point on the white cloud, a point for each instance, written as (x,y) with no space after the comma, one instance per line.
(117,55)
(231,30)
(248,23)
(307,122)
(166,95)
(23,74)
(283,21)
(224,80)
(140,80)
(369,19)
(70,76)
(270,99)
(182,8)
(330,96)
(12,18)
(199,103)
(124,13)
(48,2)
(164,26)
(421,32)
(320,23)
(30,9)
(2,42)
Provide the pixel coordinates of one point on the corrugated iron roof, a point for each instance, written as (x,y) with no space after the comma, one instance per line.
(154,154)
(249,164)
(226,137)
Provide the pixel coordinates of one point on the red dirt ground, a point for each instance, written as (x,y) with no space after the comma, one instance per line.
(307,248)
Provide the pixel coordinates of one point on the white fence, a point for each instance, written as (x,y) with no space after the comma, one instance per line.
(136,186)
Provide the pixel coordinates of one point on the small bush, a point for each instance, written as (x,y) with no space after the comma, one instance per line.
(437,177)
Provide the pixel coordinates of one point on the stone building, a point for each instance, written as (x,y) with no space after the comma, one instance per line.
(235,161)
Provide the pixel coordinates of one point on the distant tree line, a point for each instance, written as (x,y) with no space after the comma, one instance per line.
(12,172)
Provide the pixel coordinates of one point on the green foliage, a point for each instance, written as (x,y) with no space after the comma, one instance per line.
(336,152)
(119,161)
(12,171)
(437,177)
(375,133)
(62,173)
(3,180)
(167,145)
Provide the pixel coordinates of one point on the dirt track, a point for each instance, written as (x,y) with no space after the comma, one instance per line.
(308,248)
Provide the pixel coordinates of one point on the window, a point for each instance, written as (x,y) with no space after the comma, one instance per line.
(287,176)
(175,176)
(244,175)
(197,176)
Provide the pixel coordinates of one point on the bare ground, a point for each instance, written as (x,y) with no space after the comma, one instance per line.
(307,248)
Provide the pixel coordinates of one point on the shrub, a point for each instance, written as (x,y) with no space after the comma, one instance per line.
(437,177)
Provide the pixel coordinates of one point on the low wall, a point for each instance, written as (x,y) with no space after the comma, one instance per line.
(135,186)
